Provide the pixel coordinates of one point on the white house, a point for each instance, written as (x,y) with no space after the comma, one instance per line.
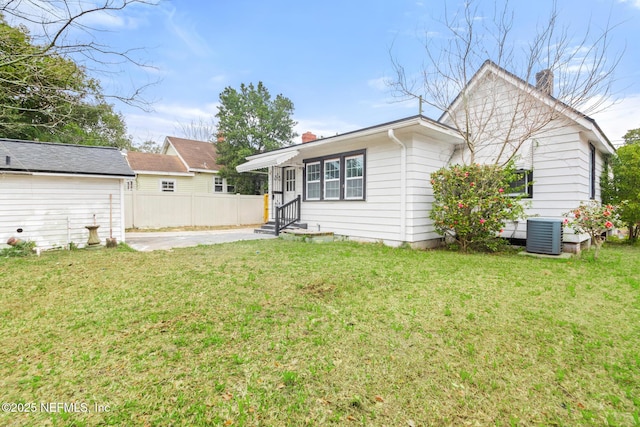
(373,184)
(50,192)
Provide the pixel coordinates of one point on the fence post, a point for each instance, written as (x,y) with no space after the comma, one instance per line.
(237,209)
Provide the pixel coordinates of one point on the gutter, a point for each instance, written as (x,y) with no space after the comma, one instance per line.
(403,184)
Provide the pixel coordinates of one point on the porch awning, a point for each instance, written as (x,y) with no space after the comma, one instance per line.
(265,161)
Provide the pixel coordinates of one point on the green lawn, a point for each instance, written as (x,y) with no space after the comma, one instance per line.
(286,333)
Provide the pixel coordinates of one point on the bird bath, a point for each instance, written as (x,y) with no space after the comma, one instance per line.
(93,235)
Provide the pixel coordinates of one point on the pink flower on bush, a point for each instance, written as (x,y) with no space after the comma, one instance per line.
(482,220)
(472,184)
(608,224)
(566,221)
(460,205)
(501,190)
(606,213)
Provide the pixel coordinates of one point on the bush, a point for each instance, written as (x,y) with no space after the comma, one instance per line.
(595,220)
(472,204)
(19,249)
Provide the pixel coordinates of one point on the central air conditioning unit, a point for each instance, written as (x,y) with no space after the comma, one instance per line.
(544,236)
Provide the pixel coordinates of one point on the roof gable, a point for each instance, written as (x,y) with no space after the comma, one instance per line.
(562,108)
(48,157)
(196,155)
(152,162)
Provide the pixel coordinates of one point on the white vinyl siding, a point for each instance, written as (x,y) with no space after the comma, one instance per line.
(374,218)
(53,210)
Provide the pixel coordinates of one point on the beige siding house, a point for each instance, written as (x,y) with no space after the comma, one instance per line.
(373,184)
(181,187)
(185,166)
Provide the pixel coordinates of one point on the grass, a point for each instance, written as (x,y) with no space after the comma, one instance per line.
(273,332)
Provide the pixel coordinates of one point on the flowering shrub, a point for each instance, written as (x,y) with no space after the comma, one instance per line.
(593,219)
(471,204)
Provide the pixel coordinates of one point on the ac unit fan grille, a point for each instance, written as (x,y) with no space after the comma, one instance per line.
(544,236)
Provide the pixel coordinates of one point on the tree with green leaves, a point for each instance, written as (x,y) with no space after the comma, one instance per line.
(623,188)
(44,96)
(250,121)
(632,136)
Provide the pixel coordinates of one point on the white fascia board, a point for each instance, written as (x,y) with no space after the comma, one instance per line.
(163,173)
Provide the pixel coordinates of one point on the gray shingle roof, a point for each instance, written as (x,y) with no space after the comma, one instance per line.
(29,156)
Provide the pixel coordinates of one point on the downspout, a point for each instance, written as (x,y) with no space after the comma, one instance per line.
(403,185)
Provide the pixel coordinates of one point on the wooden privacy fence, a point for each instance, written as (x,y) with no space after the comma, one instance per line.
(157,210)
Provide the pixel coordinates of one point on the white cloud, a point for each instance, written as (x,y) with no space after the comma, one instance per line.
(621,117)
(186,32)
(323,128)
(380,84)
(165,120)
(634,3)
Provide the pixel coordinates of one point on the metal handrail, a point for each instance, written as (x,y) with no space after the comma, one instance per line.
(287,214)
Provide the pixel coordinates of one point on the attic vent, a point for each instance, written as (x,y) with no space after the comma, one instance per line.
(7,160)
(544,236)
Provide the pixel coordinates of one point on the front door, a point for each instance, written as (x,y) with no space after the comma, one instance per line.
(289,184)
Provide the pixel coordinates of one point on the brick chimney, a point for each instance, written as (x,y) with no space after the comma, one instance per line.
(308,137)
(544,81)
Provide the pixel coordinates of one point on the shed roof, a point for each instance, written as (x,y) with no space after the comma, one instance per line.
(151,162)
(200,155)
(48,157)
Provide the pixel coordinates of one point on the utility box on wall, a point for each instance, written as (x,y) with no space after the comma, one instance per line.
(544,236)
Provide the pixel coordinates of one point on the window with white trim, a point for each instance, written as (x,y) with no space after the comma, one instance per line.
(523,185)
(332,179)
(231,188)
(313,181)
(336,177)
(168,185)
(218,184)
(354,177)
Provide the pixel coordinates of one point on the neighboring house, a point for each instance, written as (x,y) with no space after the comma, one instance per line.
(50,192)
(181,187)
(373,184)
(184,166)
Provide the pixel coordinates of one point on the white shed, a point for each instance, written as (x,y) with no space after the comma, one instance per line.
(50,192)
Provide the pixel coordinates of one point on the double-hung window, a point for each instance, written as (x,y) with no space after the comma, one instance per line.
(336,177)
(354,177)
(313,181)
(332,179)
(218,184)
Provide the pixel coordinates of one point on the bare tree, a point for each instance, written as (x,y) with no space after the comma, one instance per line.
(50,58)
(500,110)
(199,130)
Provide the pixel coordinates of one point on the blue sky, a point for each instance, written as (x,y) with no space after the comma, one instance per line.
(330,57)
